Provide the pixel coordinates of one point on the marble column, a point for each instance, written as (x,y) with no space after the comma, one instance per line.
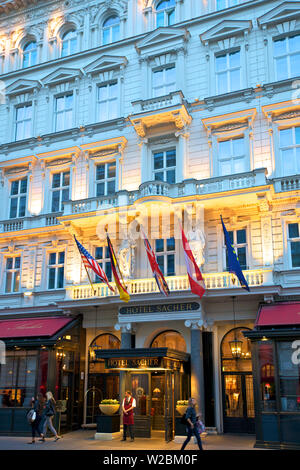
(197,369)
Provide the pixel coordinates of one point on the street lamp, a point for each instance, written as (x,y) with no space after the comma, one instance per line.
(236,344)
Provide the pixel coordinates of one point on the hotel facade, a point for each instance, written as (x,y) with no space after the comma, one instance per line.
(117,114)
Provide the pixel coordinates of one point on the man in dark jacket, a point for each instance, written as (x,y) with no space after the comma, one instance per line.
(191,419)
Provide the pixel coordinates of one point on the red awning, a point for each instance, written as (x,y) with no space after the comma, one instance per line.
(32,327)
(287,313)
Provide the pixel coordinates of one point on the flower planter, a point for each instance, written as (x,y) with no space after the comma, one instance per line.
(109,410)
(181,409)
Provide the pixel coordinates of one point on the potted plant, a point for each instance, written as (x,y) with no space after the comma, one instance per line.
(181,406)
(109,407)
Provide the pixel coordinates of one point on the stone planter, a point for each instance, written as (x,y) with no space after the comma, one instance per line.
(181,409)
(109,410)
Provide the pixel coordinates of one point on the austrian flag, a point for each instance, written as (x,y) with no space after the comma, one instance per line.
(194,273)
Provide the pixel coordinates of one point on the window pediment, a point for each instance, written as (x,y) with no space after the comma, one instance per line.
(284,12)
(162,36)
(287,111)
(226,29)
(104,63)
(22,86)
(230,123)
(61,75)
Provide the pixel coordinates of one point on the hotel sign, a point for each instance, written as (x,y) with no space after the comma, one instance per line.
(133,363)
(159,308)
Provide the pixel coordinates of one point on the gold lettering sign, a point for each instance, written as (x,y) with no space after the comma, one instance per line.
(132,363)
(169,308)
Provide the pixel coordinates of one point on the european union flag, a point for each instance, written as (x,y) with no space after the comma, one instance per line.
(233,261)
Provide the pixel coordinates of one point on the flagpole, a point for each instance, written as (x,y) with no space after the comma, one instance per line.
(93,289)
(116,259)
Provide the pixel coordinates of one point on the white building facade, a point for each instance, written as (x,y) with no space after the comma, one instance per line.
(139,112)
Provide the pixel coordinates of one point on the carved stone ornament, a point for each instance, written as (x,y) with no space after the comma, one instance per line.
(288,115)
(126,255)
(196,239)
(60,161)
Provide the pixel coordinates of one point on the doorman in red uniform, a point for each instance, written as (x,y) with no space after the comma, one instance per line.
(128,406)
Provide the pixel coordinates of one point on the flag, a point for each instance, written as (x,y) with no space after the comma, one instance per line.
(90,262)
(160,280)
(195,277)
(115,268)
(233,261)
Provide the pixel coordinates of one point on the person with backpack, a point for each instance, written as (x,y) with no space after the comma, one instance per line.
(49,412)
(35,416)
(191,422)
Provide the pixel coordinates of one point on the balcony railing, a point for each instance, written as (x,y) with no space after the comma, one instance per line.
(176,283)
(29,223)
(290,183)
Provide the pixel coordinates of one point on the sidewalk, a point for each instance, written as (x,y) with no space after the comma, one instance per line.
(84,440)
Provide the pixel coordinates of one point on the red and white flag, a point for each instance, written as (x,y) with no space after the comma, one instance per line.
(195,277)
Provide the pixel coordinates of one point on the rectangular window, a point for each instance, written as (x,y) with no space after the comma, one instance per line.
(163,81)
(228,72)
(164,166)
(18,195)
(290,150)
(12,274)
(56,263)
(60,190)
(267,376)
(294,244)
(108,101)
(287,57)
(64,112)
(238,240)
(23,125)
(18,379)
(165,255)
(231,156)
(222,4)
(102,256)
(105,179)
(289,377)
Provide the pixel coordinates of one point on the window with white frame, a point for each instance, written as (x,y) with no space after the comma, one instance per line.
(29,54)
(222,4)
(69,43)
(102,256)
(164,166)
(106,179)
(60,190)
(287,57)
(18,197)
(64,112)
(293,237)
(228,72)
(165,13)
(165,255)
(111,30)
(23,123)
(108,101)
(290,150)
(12,274)
(238,240)
(163,81)
(232,156)
(56,262)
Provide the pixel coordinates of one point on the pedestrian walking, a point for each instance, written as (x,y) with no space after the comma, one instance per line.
(128,406)
(37,406)
(191,421)
(49,412)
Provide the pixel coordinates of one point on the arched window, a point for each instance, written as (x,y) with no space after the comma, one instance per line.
(69,43)
(111,30)
(169,339)
(29,54)
(106,341)
(165,13)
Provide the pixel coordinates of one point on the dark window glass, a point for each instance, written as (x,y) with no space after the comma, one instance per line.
(159,245)
(171,265)
(295,251)
(100,175)
(241,236)
(293,231)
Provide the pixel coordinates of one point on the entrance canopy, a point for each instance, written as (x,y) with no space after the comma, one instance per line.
(281,314)
(142,358)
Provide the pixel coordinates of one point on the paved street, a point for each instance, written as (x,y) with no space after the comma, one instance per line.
(84,440)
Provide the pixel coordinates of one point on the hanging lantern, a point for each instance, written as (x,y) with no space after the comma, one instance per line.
(236,347)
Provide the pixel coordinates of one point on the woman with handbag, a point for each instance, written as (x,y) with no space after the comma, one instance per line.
(49,412)
(191,421)
(35,416)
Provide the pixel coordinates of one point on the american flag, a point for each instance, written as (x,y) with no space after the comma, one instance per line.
(158,275)
(90,262)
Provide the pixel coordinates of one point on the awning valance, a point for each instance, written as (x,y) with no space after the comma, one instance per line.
(280,314)
(32,327)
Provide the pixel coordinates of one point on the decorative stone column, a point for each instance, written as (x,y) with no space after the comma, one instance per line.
(197,370)
(126,333)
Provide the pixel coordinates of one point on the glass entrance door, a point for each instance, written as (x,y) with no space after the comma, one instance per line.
(238,403)
(140,386)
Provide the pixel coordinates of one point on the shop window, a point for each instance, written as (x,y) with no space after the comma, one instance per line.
(290,150)
(18,379)
(60,190)
(266,376)
(12,274)
(18,195)
(165,255)
(294,244)
(169,339)
(287,57)
(289,378)
(165,13)
(111,30)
